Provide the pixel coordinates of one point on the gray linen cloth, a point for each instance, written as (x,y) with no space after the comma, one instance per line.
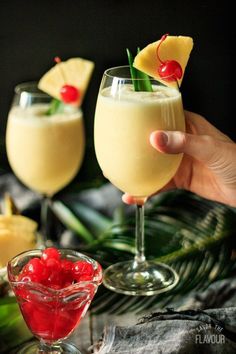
(169,332)
(23,196)
(186,331)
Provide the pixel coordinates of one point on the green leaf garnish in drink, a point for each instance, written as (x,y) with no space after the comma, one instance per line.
(56,106)
(139,85)
(133,71)
(145,83)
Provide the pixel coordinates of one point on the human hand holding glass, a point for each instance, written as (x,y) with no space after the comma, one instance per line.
(124,119)
(208,167)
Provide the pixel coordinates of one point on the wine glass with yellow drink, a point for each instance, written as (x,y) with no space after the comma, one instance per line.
(45,137)
(130,106)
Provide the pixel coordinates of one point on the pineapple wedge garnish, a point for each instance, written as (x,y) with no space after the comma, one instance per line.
(75,72)
(176,48)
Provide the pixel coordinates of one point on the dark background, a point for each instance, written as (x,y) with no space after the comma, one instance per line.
(33,32)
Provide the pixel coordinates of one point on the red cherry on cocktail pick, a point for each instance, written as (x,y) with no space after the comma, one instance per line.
(68,93)
(169,70)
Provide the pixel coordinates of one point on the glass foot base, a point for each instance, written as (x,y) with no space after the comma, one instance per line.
(34,348)
(147,278)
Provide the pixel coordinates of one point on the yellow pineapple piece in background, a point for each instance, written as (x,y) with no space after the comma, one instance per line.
(176,48)
(17,232)
(13,242)
(17,222)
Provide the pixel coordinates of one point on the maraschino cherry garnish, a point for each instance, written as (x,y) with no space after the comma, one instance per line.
(55,272)
(68,93)
(169,70)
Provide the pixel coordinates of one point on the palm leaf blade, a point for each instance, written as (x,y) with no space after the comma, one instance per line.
(198,244)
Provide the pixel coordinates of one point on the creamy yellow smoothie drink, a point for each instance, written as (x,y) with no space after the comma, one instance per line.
(123,124)
(45,152)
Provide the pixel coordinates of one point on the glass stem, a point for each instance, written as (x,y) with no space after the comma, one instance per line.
(139,235)
(45,348)
(45,202)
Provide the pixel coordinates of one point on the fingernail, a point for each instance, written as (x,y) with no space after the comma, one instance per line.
(163,139)
(159,138)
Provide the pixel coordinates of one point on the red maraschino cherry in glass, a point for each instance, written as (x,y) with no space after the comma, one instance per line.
(169,70)
(69,93)
(54,289)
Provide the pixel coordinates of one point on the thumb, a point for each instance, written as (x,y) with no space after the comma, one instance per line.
(202,147)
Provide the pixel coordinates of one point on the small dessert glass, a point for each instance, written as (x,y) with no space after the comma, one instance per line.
(52,314)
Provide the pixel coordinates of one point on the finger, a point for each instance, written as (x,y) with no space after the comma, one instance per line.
(198,125)
(128,199)
(203,148)
(169,186)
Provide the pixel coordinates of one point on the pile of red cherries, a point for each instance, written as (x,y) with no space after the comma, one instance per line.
(55,272)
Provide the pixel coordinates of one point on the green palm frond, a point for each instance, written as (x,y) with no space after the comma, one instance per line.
(193,235)
(13,330)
